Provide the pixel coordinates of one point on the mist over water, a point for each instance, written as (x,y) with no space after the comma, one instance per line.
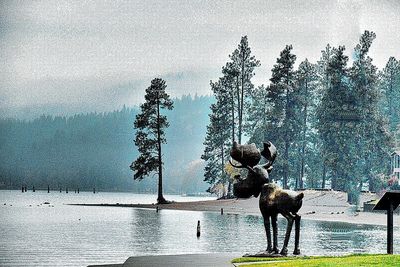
(33,233)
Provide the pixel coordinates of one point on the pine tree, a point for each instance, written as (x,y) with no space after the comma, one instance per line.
(323,87)
(283,112)
(332,126)
(232,92)
(306,100)
(373,140)
(257,124)
(241,69)
(216,141)
(150,135)
(390,89)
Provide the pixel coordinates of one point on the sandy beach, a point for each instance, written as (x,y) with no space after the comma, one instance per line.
(317,205)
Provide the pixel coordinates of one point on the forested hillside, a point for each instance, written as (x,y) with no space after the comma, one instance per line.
(96,149)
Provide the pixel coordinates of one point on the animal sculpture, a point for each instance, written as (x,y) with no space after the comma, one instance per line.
(273,199)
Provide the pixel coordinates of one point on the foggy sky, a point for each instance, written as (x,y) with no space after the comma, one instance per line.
(79,56)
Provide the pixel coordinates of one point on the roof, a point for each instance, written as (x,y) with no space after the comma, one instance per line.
(389,196)
(396,152)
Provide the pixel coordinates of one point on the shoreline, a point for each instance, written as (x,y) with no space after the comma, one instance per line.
(317,206)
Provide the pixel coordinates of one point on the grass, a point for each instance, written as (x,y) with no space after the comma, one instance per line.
(325,261)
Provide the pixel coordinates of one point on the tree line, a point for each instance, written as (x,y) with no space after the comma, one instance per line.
(95,150)
(333,122)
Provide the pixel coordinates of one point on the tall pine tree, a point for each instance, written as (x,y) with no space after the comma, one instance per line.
(373,142)
(150,134)
(306,100)
(390,89)
(241,70)
(217,138)
(282,101)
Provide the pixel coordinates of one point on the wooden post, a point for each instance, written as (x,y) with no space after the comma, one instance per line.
(60,189)
(26,189)
(222,211)
(198,228)
(157,208)
(33,189)
(22,189)
(78,190)
(75,191)
(66,190)
(94,190)
(48,189)
(390,228)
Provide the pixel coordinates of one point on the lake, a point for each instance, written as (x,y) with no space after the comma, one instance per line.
(37,234)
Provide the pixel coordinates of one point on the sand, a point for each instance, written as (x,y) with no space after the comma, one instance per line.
(317,205)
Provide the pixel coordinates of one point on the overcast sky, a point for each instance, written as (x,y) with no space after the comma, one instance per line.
(78,56)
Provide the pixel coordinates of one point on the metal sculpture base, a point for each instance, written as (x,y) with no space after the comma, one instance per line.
(266,254)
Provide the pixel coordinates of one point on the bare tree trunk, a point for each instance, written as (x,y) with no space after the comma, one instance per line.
(303,148)
(160,198)
(239,107)
(323,175)
(233,117)
(287,143)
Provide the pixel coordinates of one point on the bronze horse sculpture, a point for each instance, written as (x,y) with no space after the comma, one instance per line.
(273,199)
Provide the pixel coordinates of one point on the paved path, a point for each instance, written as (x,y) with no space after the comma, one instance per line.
(185,260)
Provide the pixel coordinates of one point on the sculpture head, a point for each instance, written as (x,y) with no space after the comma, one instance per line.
(249,156)
(252,185)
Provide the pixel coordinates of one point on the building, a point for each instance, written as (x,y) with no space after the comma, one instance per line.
(395,165)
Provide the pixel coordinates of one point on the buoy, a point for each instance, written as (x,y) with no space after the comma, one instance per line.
(198,228)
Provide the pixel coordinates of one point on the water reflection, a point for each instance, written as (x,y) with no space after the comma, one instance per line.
(175,232)
(63,235)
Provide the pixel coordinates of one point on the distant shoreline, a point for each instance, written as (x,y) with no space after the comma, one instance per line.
(320,206)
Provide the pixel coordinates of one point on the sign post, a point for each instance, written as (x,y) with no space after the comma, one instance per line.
(389,202)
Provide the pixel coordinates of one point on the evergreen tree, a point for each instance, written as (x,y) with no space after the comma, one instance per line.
(282,118)
(323,87)
(259,113)
(390,89)
(232,92)
(305,94)
(373,142)
(332,125)
(150,125)
(240,71)
(216,151)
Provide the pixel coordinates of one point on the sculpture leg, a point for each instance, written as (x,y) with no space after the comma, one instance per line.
(297,219)
(290,218)
(268,232)
(275,232)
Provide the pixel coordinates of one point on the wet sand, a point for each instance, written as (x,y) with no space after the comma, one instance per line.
(317,205)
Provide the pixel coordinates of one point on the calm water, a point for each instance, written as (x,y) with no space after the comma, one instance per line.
(56,234)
